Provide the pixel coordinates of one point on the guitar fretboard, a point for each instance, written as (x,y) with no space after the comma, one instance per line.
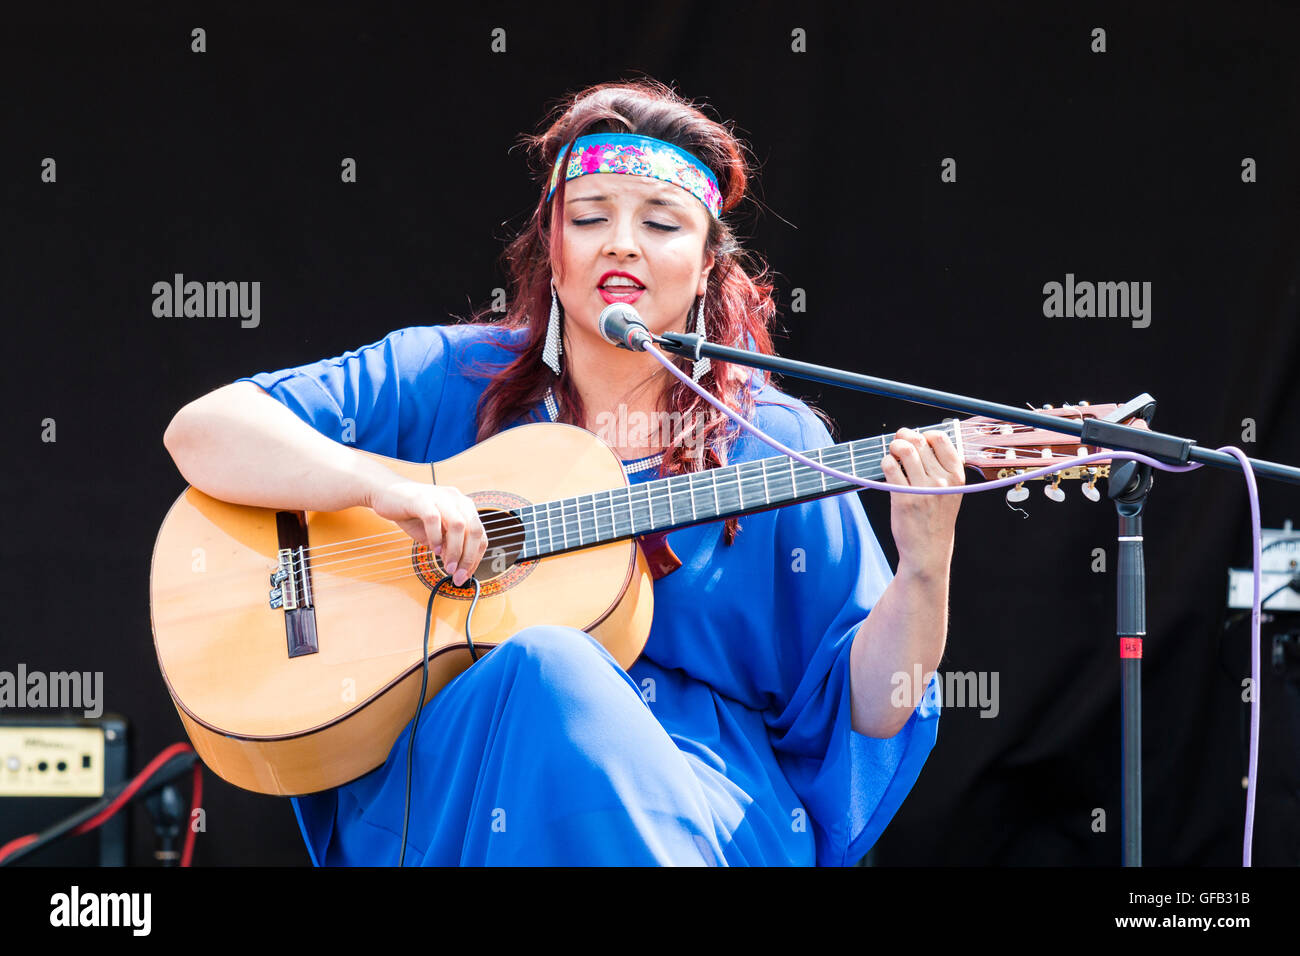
(662,504)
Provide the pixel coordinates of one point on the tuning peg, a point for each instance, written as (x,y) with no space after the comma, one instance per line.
(1054,491)
(1018,493)
(1083,404)
(1047,408)
(1090,489)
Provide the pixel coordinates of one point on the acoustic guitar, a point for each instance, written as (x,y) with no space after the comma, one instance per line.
(291,642)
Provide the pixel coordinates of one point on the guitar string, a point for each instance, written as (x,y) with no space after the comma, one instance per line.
(840,449)
(402,561)
(404,572)
(578,509)
(401,556)
(331,583)
(574,508)
(506,519)
(571,508)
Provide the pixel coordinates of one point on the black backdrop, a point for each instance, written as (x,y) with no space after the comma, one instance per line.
(1117,166)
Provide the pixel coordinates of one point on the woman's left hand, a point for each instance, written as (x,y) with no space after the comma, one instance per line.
(923,525)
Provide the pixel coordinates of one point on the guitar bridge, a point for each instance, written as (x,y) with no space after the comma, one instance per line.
(291,584)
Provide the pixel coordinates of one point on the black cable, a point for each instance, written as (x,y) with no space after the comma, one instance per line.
(1294,583)
(163,774)
(419,703)
(1274,544)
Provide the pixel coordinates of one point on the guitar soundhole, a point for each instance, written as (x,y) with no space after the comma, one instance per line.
(500,568)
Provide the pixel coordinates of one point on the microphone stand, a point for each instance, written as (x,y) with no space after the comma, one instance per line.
(1170,449)
(1128,486)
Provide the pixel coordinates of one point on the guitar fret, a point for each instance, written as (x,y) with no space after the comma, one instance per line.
(831,462)
(717,509)
(779,478)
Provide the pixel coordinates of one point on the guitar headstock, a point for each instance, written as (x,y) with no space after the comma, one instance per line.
(998,449)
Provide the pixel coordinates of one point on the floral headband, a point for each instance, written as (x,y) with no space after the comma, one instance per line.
(640,156)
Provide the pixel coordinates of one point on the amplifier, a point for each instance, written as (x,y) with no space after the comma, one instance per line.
(53,765)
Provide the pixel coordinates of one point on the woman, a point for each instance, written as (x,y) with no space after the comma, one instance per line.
(764,723)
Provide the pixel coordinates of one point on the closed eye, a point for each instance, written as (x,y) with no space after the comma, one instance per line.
(655,225)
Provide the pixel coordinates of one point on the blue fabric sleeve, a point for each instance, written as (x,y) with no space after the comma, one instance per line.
(381,398)
(323,824)
(829,572)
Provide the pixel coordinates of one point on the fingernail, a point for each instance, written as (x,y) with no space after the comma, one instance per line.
(451,568)
(460,578)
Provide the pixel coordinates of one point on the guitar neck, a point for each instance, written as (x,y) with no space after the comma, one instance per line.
(665,504)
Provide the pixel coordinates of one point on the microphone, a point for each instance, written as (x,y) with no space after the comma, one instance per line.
(621,325)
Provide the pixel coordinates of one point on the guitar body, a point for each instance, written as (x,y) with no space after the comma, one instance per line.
(293,702)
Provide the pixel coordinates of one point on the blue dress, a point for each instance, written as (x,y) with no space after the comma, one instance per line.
(728,742)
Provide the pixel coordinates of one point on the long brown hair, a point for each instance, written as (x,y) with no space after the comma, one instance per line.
(738,302)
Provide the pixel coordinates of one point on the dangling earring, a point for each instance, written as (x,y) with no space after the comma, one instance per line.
(551,352)
(702,366)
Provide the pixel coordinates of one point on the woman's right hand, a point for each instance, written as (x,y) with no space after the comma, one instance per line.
(438,517)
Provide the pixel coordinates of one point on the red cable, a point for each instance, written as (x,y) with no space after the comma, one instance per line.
(194,805)
(136,783)
(132,787)
(16,844)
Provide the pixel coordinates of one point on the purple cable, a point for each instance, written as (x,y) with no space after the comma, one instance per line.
(1256,535)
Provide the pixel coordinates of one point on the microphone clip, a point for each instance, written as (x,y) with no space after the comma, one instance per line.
(692,341)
